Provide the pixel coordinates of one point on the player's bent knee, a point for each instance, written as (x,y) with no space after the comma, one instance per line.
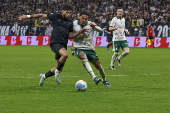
(65,56)
(82,56)
(127,51)
(116,53)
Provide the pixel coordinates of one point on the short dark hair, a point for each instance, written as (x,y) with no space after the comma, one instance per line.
(84,13)
(119,8)
(67,7)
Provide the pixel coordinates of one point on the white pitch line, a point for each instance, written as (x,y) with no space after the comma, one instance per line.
(70,76)
(155,74)
(118,75)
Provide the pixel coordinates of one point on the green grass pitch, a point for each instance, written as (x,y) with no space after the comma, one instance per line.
(140,85)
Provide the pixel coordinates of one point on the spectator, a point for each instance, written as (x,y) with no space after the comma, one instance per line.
(10,32)
(136,33)
(156,20)
(152,19)
(168,19)
(133,24)
(147,21)
(141,22)
(163,20)
(141,33)
(102,9)
(37,25)
(103,21)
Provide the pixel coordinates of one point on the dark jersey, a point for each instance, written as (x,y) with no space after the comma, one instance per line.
(61,28)
(109,35)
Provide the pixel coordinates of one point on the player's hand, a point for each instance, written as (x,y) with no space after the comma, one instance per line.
(120,31)
(109,32)
(126,31)
(81,35)
(92,24)
(84,30)
(22,17)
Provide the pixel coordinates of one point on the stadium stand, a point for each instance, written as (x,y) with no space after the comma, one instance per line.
(138,13)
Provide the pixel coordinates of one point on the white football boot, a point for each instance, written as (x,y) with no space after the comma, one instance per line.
(57,76)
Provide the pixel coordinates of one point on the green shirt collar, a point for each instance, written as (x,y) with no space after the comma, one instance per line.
(118,18)
(78,22)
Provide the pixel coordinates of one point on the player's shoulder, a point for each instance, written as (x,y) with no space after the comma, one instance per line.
(114,18)
(88,23)
(70,22)
(75,22)
(54,15)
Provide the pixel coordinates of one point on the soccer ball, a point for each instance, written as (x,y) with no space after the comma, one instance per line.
(81,85)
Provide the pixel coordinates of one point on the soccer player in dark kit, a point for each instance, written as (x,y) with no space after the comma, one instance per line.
(109,36)
(62,31)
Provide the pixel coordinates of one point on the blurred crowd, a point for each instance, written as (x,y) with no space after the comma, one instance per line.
(138,13)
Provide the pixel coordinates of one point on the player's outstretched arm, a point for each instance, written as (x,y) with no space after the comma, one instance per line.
(32,16)
(74,35)
(107,32)
(95,27)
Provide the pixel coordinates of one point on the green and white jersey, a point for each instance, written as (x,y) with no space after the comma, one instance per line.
(86,42)
(118,23)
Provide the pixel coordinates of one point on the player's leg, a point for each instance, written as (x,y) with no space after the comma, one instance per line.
(152,41)
(48,74)
(61,56)
(125,47)
(126,52)
(109,43)
(64,55)
(82,56)
(107,47)
(146,42)
(116,53)
(113,60)
(72,51)
(99,67)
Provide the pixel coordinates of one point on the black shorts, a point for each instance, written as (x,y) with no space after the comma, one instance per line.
(55,47)
(109,38)
(150,37)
